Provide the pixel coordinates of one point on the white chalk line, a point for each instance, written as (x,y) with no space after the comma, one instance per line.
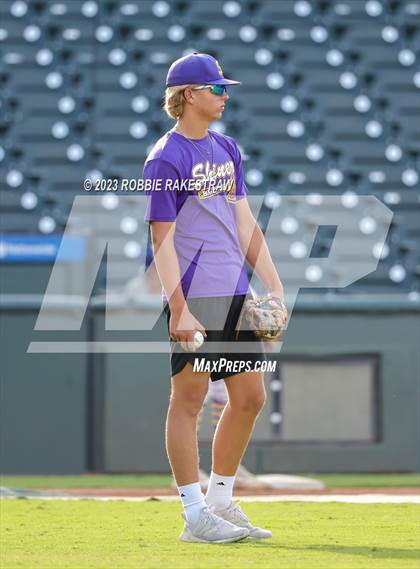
(349,499)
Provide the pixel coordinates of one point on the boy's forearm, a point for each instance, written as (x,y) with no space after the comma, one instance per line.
(167,266)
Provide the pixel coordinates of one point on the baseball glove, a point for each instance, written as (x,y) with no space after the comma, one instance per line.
(266,316)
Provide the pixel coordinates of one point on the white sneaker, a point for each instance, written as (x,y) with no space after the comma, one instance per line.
(210,528)
(235,515)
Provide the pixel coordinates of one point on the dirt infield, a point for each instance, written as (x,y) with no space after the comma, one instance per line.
(144,492)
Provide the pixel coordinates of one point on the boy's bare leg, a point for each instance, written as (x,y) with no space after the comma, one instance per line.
(246,399)
(187,396)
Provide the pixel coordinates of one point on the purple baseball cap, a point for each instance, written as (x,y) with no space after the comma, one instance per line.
(197,68)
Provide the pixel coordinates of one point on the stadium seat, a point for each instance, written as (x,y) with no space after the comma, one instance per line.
(329,103)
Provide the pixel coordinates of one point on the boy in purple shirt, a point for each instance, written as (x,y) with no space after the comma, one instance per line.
(203,233)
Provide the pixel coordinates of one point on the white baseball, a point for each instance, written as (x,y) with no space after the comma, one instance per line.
(198,339)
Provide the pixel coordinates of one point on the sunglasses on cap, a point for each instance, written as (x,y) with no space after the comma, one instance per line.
(215,89)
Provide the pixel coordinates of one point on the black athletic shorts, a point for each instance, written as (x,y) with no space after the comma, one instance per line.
(219,315)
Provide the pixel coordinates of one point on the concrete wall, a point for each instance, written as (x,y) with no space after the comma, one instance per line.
(43,403)
(105,411)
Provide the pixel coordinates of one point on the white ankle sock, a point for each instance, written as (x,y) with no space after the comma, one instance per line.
(220,490)
(193,501)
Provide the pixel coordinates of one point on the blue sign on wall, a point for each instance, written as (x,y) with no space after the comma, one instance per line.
(26,248)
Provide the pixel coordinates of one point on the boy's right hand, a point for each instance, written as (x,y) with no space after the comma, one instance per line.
(182,327)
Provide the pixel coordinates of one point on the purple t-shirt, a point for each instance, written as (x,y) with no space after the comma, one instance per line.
(206,179)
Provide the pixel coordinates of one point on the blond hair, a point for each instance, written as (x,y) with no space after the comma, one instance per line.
(174,101)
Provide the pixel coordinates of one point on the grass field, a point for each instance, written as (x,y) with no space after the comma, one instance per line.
(40,534)
(164,480)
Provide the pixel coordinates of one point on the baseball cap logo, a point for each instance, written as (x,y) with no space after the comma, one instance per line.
(219,69)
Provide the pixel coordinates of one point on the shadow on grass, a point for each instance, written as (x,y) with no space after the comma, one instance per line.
(373,552)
